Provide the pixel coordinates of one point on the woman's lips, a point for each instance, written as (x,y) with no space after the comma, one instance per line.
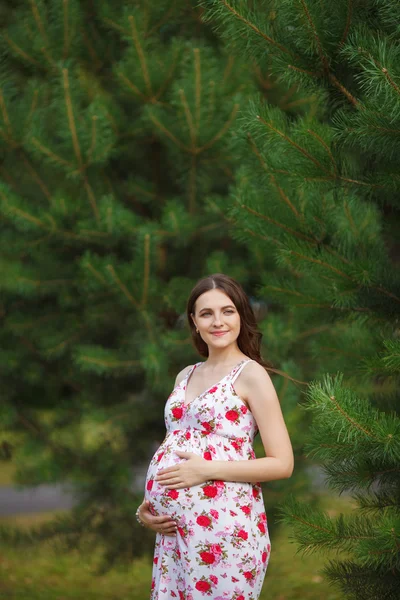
(218,333)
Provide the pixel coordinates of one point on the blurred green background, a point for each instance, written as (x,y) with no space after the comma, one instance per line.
(144,146)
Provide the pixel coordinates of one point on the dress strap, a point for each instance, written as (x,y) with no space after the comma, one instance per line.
(192,368)
(236,372)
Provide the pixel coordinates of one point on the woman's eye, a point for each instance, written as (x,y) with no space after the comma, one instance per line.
(229,312)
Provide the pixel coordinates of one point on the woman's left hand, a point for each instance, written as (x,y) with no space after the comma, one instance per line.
(193,471)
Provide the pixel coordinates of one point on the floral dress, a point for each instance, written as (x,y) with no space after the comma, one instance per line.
(221,549)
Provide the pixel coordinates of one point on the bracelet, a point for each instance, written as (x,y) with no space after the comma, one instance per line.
(138,518)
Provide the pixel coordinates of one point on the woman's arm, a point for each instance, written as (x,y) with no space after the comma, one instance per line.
(278,462)
(267,468)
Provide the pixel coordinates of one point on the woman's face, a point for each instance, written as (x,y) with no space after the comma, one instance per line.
(215,312)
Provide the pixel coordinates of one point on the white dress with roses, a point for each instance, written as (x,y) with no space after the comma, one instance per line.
(222,547)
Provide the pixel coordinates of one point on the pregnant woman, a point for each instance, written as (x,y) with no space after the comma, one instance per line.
(203,492)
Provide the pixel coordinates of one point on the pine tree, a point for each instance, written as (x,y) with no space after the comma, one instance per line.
(116,122)
(318,190)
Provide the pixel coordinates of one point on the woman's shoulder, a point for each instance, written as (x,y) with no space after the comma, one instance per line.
(182,374)
(253,371)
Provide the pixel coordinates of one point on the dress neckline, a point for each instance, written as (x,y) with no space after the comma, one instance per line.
(211,386)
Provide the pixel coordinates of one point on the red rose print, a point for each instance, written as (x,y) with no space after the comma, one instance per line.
(202,586)
(173,494)
(177,412)
(210,491)
(203,521)
(223,559)
(261,527)
(269,547)
(207,557)
(238,443)
(206,425)
(232,415)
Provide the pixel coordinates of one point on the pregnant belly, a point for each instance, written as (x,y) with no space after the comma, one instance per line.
(195,500)
(175,502)
(164,501)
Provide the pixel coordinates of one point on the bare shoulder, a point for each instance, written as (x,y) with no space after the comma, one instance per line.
(253,378)
(253,369)
(182,374)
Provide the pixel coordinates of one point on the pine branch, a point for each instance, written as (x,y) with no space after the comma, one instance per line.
(141,55)
(273,179)
(221,132)
(316,531)
(19,51)
(322,56)
(265,37)
(39,22)
(359,583)
(348,22)
(71,118)
(295,145)
(274,222)
(122,287)
(51,154)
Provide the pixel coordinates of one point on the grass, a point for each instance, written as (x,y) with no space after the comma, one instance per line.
(6,472)
(39,574)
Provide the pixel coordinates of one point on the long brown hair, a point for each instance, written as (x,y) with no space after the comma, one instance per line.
(249,339)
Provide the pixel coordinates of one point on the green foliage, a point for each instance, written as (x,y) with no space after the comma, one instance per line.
(116,123)
(118,151)
(317,191)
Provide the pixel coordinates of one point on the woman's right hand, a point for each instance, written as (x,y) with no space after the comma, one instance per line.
(163,524)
